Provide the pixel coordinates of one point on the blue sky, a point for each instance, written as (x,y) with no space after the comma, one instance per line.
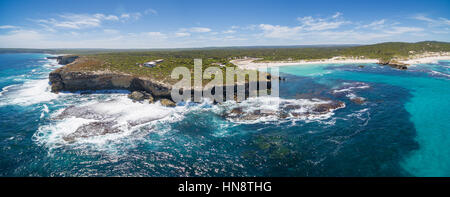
(201,23)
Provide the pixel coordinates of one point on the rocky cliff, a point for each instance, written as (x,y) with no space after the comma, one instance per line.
(64,60)
(67,78)
(64,79)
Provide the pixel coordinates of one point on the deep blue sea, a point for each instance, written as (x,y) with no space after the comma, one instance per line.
(401,127)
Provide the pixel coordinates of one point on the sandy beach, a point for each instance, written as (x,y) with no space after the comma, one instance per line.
(425,60)
(250,63)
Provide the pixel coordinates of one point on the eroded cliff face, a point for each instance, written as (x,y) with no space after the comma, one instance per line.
(71,78)
(64,80)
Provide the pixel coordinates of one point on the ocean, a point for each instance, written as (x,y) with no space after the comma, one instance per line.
(389,123)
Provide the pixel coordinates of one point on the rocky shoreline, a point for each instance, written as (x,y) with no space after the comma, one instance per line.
(401,64)
(394,64)
(66,79)
(64,59)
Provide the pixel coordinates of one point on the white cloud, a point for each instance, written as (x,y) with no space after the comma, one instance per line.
(111,31)
(106,17)
(125,16)
(155,34)
(72,31)
(200,29)
(229,31)
(402,30)
(337,15)
(316,24)
(151,11)
(182,34)
(423,18)
(328,30)
(277,31)
(8,27)
(78,21)
(250,27)
(433,22)
(375,24)
(21,38)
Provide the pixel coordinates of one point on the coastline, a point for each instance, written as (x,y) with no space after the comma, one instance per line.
(425,60)
(250,64)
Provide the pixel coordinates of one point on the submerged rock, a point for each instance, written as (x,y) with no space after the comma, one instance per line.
(328,107)
(358,100)
(290,109)
(91,130)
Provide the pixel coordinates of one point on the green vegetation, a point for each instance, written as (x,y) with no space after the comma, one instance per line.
(223,55)
(389,50)
(128,60)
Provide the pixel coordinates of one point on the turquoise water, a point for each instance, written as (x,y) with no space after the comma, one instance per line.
(400,128)
(429,107)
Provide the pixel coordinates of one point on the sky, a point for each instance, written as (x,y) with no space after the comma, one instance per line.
(215,23)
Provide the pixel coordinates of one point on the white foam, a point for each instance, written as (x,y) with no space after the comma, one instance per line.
(271,107)
(44,111)
(52,135)
(354,96)
(5,89)
(359,114)
(356,85)
(128,117)
(439,73)
(29,93)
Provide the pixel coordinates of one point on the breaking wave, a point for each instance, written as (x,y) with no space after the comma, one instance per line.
(348,89)
(28,93)
(106,122)
(279,110)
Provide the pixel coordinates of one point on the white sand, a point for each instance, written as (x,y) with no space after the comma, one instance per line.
(250,64)
(425,60)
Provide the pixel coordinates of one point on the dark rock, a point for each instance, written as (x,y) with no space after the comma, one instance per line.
(237,110)
(361,66)
(327,107)
(358,100)
(395,64)
(137,96)
(91,130)
(57,86)
(73,79)
(63,60)
(167,103)
(151,99)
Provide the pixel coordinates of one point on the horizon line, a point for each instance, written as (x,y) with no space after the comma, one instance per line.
(231,46)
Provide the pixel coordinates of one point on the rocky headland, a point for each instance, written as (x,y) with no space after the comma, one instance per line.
(73,78)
